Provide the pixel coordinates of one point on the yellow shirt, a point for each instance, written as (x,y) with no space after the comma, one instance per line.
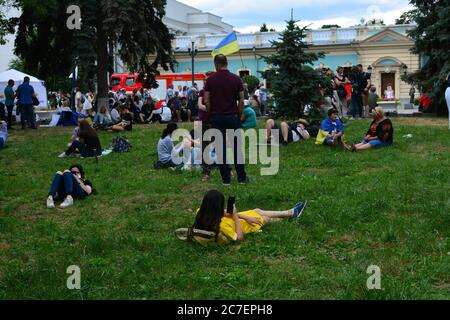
(228,230)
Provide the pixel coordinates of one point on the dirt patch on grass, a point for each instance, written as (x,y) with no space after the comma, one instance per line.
(433,122)
(346,238)
(318,171)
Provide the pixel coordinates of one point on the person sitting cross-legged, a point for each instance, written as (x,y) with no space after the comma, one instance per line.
(331,131)
(232,227)
(88,144)
(69,185)
(380,134)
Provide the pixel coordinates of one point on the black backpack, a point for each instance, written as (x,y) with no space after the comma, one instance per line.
(121,145)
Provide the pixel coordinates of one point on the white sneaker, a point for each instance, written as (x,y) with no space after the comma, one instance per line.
(50,202)
(62,155)
(67,203)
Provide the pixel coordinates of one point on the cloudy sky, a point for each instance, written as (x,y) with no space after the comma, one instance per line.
(247,16)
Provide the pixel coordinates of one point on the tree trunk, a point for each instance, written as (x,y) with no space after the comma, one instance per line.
(102,67)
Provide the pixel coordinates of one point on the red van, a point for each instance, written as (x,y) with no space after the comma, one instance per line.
(129,82)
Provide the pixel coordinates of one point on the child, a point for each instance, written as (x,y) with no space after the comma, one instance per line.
(373,99)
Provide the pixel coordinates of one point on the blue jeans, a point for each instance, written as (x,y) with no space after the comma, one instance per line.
(84,151)
(2,143)
(28,115)
(357,108)
(224,123)
(66,185)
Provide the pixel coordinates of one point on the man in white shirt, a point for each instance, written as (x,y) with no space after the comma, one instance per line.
(162,115)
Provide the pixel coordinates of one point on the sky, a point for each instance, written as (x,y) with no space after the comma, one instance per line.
(248,16)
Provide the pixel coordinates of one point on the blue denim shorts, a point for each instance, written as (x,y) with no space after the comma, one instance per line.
(376,143)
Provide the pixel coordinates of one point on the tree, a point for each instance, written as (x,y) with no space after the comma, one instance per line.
(46,44)
(293,82)
(406,17)
(265,29)
(17,64)
(432,42)
(6,25)
(375,22)
(252,82)
(329,26)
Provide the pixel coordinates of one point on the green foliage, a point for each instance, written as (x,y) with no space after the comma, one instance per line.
(406,17)
(252,82)
(17,64)
(432,40)
(48,48)
(265,29)
(364,209)
(292,80)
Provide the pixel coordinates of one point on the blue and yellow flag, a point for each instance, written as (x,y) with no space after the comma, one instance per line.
(227,46)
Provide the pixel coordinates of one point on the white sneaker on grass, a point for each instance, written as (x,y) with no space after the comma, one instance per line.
(67,202)
(62,155)
(50,202)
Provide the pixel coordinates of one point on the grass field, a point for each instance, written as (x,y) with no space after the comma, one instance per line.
(389,208)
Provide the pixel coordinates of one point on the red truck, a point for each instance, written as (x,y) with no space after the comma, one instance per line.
(130,82)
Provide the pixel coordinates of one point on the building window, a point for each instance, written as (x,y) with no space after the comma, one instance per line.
(244,72)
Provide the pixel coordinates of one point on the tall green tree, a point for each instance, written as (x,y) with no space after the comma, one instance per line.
(293,82)
(48,47)
(432,43)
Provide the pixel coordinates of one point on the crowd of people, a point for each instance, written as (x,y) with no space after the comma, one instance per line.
(221,105)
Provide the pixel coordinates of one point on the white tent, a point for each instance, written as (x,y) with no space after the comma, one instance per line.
(17,76)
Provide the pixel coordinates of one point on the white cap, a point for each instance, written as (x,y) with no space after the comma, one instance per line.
(246,102)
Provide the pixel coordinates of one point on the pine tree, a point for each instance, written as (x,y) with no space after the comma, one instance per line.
(293,82)
(432,42)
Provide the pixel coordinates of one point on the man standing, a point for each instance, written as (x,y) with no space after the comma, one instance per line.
(224,98)
(365,85)
(25,93)
(9,102)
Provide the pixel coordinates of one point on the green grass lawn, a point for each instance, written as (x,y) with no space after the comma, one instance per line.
(389,208)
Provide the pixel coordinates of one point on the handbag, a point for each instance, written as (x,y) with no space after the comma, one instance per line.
(35,101)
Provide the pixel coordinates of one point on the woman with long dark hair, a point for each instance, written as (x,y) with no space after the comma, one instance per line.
(166,147)
(227,227)
(69,185)
(88,145)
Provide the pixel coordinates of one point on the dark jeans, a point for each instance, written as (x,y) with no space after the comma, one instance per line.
(84,151)
(66,185)
(356,105)
(9,117)
(2,143)
(224,123)
(28,115)
(206,168)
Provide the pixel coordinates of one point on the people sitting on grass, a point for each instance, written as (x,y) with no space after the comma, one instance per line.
(88,144)
(331,131)
(231,227)
(127,121)
(115,113)
(3,134)
(146,110)
(68,186)
(248,117)
(380,134)
(162,115)
(291,132)
(103,119)
(166,148)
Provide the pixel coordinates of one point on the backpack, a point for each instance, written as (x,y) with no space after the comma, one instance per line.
(121,145)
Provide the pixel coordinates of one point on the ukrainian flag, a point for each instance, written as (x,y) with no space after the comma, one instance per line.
(227,46)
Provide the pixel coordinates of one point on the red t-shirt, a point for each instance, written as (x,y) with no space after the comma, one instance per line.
(224,88)
(424,101)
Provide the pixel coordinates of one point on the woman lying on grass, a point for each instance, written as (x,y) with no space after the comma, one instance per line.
(225,227)
(69,185)
(380,134)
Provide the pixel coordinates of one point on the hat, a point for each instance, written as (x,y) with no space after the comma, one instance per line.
(246,103)
(302,121)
